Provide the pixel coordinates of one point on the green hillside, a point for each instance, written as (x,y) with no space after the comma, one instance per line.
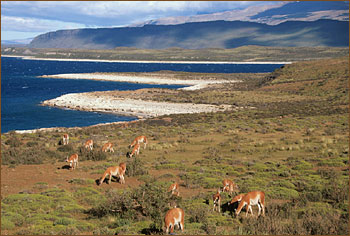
(288,138)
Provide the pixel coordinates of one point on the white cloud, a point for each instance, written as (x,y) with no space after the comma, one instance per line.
(25,24)
(44,16)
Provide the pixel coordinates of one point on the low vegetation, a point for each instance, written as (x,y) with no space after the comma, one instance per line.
(244,53)
(289,139)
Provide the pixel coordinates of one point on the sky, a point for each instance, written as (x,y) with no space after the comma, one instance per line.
(27,19)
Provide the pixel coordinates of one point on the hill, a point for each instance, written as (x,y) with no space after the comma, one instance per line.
(213,34)
(293,146)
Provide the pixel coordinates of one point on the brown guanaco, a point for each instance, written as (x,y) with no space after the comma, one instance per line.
(174,217)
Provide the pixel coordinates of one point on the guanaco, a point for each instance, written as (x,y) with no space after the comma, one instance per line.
(174,217)
(65,139)
(73,161)
(251,199)
(237,198)
(89,144)
(139,139)
(135,151)
(217,200)
(114,171)
(108,147)
(229,186)
(174,188)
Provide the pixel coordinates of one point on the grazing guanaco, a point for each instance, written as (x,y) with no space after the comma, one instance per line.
(73,161)
(251,199)
(217,200)
(135,151)
(237,198)
(89,144)
(114,171)
(174,217)
(65,139)
(139,139)
(174,188)
(229,186)
(108,147)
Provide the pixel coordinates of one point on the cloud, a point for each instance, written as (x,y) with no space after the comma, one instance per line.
(44,16)
(113,13)
(25,24)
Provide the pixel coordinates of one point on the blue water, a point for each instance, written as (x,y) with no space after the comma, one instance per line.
(22,91)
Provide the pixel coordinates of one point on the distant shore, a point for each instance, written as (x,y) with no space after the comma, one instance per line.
(164,62)
(119,77)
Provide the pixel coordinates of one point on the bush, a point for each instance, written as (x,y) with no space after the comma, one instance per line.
(66,148)
(94,155)
(135,167)
(149,200)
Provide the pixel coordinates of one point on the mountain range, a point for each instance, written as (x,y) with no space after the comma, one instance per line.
(297,24)
(268,14)
(212,34)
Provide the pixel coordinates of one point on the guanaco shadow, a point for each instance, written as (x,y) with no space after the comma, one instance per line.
(231,208)
(114,179)
(65,167)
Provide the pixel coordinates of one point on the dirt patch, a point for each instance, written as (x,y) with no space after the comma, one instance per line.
(23,178)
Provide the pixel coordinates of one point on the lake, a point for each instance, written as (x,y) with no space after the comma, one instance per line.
(22,91)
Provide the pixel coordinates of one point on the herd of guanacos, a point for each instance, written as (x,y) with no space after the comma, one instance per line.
(175,216)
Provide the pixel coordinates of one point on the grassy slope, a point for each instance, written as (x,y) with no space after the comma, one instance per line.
(245,53)
(294,146)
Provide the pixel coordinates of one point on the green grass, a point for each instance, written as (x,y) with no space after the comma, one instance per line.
(293,146)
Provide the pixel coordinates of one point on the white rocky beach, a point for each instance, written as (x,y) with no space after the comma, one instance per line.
(131,107)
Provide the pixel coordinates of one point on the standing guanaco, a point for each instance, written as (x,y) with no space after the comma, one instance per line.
(73,161)
(135,151)
(65,139)
(89,144)
(139,139)
(251,199)
(174,188)
(114,171)
(229,186)
(217,200)
(174,217)
(108,147)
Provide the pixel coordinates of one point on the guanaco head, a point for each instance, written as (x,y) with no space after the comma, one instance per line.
(123,166)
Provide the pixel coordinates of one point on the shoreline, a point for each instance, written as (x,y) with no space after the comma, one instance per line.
(142,109)
(64,129)
(190,84)
(157,62)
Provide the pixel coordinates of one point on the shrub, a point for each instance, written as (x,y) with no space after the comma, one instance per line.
(66,148)
(13,142)
(94,155)
(149,200)
(135,167)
